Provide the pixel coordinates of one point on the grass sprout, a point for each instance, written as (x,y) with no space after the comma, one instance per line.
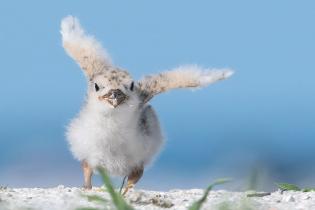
(96,198)
(197,204)
(117,198)
(292,187)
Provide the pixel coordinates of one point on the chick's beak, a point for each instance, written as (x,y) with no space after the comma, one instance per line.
(114,102)
(114,97)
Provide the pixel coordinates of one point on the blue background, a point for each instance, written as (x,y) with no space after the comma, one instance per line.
(262,119)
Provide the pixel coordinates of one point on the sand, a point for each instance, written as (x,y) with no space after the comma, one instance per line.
(66,198)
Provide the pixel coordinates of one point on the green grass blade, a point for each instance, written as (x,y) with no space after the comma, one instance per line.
(118,200)
(286,186)
(87,208)
(96,198)
(197,204)
(308,190)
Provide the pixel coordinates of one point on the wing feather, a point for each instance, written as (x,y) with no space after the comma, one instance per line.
(191,76)
(83,48)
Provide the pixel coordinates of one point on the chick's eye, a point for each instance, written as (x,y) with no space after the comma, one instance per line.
(132,86)
(97,88)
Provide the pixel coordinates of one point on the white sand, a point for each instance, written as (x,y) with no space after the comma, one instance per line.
(70,198)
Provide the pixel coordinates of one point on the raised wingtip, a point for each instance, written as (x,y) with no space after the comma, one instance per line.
(227,73)
(214,75)
(70,26)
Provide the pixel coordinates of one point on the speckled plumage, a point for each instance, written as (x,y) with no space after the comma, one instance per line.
(117,129)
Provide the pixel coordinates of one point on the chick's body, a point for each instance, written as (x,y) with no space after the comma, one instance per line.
(119,139)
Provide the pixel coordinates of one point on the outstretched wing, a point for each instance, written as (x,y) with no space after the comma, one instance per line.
(181,77)
(83,48)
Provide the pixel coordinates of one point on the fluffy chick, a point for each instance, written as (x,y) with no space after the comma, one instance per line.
(116,128)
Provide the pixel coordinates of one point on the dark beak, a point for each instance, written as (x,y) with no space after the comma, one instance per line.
(115,97)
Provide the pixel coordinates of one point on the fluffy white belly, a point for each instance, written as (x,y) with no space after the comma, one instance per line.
(113,142)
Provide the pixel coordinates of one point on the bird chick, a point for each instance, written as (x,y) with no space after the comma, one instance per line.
(116,128)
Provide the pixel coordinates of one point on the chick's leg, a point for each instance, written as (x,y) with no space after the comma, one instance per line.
(133,178)
(87,172)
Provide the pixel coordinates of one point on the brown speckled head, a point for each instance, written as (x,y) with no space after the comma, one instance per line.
(114,77)
(111,86)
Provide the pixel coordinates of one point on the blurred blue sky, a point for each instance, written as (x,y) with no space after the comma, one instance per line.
(263,116)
